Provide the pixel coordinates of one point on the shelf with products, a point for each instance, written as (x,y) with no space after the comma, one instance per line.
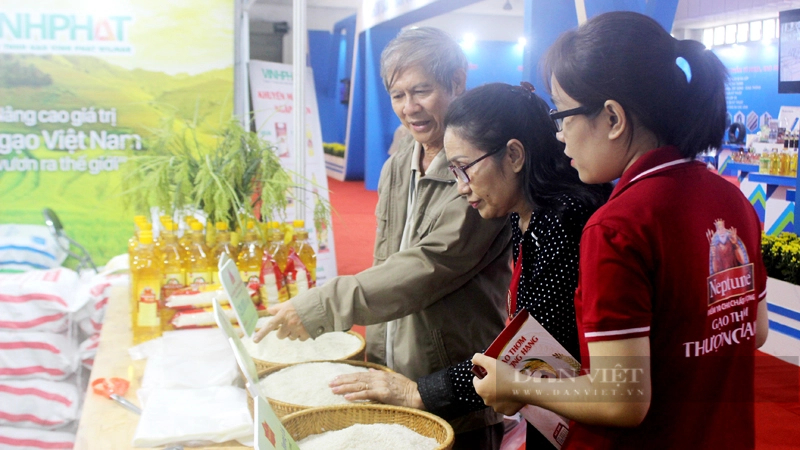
(776,180)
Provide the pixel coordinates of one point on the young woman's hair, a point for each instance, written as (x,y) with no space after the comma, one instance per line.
(630,58)
(491,115)
(429,48)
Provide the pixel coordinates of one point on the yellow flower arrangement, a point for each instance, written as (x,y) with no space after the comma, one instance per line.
(781,255)
(333,148)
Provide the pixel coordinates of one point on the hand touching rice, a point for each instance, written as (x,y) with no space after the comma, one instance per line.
(385,387)
(286,320)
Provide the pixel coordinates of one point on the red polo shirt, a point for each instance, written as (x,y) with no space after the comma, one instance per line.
(675,255)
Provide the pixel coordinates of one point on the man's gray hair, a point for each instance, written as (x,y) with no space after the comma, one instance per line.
(429,48)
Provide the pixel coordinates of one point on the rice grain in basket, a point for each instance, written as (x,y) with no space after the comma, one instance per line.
(369,437)
(307,384)
(329,346)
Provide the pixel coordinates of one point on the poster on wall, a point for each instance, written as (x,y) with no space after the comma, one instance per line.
(752,90)
(83,86)
(271,89)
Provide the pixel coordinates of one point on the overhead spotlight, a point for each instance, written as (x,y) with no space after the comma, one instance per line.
(507,6)
(468,41)
(522,42)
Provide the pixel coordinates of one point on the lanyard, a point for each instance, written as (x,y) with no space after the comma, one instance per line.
(511,300)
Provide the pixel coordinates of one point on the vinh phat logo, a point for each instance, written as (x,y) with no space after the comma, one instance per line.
(730,270)
(65,33)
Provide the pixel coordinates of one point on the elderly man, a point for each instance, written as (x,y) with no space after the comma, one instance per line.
(437,289)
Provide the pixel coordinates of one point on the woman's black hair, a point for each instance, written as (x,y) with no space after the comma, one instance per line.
(490,115)
(630,58)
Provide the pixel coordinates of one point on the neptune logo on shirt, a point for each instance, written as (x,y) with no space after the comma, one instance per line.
(730,270)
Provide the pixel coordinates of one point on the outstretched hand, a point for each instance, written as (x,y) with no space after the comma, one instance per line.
(386,387)
(286,321)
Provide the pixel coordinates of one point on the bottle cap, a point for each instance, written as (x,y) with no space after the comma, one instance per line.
(299,223)
(222,226)
(146,226)
(146,237)
(196,225)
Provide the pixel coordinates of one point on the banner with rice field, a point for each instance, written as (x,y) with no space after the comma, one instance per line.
(85,85)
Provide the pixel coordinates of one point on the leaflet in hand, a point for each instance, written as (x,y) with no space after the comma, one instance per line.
(526,346)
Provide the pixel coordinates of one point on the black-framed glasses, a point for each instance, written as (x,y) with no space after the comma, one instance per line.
(460,172)
(558,116)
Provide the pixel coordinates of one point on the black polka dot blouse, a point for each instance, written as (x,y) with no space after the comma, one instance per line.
(546,289)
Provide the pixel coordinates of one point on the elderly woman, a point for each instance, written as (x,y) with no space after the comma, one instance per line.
(437,290)
(506,159)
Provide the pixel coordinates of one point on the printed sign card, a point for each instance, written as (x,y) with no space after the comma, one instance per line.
(237,292)
(243,359)
(527,347)
(269,432)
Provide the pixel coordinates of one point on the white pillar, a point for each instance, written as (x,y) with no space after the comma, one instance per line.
(299,39)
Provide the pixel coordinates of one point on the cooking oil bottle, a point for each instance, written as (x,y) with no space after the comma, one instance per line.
(223,246)
(277,248)
(185,240)
(763,162)
(305,251)
(774,162)
(785,159)
(140,224)
(278,254)
(146,274)
(199,268)
(249,261)
(236,242)
(173,269)
(211,234)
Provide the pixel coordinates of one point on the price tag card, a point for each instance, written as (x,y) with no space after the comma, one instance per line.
(237,293)
(245,363)
(243,358)
(222,319)
(269,432)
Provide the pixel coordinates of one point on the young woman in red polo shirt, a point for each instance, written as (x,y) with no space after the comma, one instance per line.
(668,325)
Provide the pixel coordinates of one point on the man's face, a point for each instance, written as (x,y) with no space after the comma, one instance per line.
(421,103)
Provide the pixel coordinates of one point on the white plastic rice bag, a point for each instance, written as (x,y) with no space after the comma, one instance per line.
(189,359)
(38,403)
(38,300)
(26,247)
(34,354)
(196,416)
(31,439)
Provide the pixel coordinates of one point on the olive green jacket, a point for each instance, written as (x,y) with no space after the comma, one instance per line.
(447,291)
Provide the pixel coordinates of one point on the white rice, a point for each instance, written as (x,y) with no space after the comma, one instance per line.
(329,346)
(307,384)
(369,437)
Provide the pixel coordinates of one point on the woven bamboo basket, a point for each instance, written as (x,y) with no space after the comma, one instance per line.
(331,418)
(284,409)
(357,355)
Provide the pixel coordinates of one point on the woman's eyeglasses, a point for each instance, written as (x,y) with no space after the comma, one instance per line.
(460,172)
(558,116)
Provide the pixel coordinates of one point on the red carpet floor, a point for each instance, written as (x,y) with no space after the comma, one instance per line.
(777,382)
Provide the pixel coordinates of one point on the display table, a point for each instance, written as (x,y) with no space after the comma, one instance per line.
(104,424)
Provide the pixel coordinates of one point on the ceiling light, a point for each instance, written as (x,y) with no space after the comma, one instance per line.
(507,6)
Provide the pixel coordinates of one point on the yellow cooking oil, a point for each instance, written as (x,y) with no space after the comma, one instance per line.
(199,268)
(223,245)
(249,261)
(305,251)
(173,269)
(146,282)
